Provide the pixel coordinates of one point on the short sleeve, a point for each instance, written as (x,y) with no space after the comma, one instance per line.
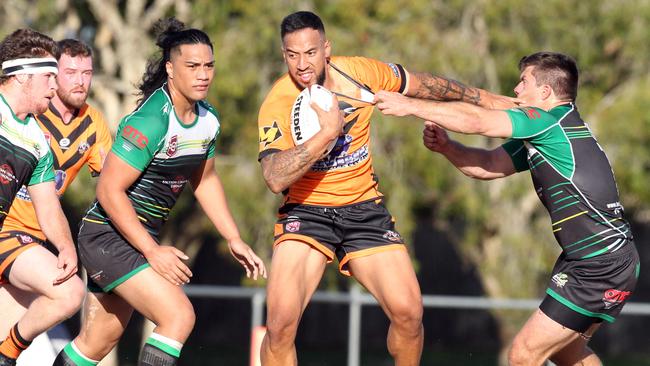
(529,121)
(518,154)
(138,139)
(378,75)
(274,132)
(44,171)
(102,145)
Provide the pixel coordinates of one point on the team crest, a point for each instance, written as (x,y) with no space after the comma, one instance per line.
(392,236)
(25,239)
(83,147)
(269,135)
(292,226)
(173,146)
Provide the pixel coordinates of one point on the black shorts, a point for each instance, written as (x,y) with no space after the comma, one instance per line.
(583,292)
(108,258)
(12,244)
(348,232)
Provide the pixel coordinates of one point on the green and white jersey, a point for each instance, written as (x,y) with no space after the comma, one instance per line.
(572,177)
(153,140)
(25,157)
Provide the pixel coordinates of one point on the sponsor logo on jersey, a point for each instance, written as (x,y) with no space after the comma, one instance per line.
(137,138)
(531,113)
(176,184)
(83,147)
(59,179)
(395,69)
(613,297)
(292,226)
(173,145)
(6,174)
(339,156)
(270,134)
(23,194)
(392,236)
(64,143)
(560,279)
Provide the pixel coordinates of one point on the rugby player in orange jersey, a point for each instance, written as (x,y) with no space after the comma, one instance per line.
(78,135)
(27,84)
(332,206)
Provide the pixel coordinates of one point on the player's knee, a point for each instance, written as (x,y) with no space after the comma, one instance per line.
(520,353)
(407,316)
(183,320)
(281,328)
(69,297)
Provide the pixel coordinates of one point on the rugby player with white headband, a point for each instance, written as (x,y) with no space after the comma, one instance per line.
(27,84)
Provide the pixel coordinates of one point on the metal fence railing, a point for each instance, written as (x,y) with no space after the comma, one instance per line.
(355,298)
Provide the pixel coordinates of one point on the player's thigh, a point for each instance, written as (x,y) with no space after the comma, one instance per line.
(296,270)
(154,297)
(390,277)
(104,317)
(543,335)
(14,304)
(576,350)
(35,270)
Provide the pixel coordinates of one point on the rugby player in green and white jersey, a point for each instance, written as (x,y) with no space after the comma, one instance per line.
(28,270)
(599,264)
(168,141)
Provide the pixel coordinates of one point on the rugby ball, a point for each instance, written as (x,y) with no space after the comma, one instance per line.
(304,120)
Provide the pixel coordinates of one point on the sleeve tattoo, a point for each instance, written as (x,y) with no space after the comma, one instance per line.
(444,89)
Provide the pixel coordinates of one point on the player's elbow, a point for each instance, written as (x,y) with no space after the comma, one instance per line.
(274,185)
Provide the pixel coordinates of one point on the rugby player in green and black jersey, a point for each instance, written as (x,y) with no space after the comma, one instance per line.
(599,265)
(168,141)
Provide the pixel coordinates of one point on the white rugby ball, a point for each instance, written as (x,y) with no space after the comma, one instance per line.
(304,120)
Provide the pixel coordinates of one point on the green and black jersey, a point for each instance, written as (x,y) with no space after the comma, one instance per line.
(154,141)
(573,178)
(25,157)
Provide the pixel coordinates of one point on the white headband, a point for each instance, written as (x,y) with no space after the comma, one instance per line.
(30,66)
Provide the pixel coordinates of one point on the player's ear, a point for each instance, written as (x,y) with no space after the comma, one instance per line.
(169,69)
(328,48)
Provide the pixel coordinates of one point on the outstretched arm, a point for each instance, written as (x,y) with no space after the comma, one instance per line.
(283,168)
(454,116)
(473,162)
(209,192)
(433,87)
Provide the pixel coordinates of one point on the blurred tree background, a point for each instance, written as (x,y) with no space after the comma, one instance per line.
(468,238)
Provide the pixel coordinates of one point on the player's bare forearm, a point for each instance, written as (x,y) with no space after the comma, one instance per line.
(283,168)
(434,87)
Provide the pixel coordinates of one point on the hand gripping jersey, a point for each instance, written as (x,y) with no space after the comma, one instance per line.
(572,177)
(86,139)
(25,157)
(153,140)
(345,176)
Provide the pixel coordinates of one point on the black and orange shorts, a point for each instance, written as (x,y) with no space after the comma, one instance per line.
(12,244)
(346,232)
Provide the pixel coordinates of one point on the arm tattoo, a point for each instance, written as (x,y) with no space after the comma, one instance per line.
(284,168)
(444,89)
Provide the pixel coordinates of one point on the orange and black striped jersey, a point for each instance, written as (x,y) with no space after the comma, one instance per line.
(346,175)
(85,140)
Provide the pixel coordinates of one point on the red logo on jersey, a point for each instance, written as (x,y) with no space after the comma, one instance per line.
(613,297)
(173,145)
(533,113)
(6,174)
(136,137)
(47,137)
